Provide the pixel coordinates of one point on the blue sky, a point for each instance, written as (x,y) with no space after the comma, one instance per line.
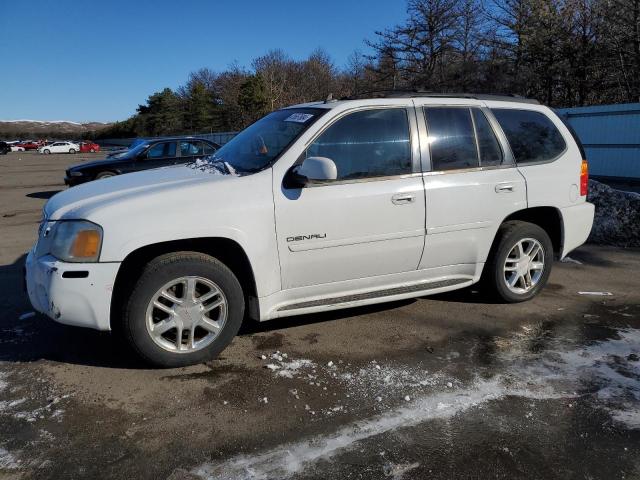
(90,60)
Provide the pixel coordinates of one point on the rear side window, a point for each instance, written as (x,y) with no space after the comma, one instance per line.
(532,135)
(461,137)
(488,146)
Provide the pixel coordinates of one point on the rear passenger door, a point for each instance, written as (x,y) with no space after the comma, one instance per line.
(471,183)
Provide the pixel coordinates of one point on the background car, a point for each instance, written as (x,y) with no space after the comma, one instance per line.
(60,147)
(147,155)
(4,148)
(15,147)
(89,147)
(29,145)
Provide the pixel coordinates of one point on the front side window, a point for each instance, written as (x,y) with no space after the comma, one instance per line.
(532,135)
(162,150)
(461,137)
(366,144)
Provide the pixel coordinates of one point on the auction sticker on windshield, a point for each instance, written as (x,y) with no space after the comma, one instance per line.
(298,117)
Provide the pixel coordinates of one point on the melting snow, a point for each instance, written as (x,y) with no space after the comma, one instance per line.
(552,374)
(7,460)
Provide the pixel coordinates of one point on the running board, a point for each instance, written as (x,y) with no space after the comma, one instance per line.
(390,292)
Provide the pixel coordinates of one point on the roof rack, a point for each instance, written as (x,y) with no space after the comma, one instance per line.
(505,97)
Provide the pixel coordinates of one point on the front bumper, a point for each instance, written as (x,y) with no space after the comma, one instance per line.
(73,181)
(76,294)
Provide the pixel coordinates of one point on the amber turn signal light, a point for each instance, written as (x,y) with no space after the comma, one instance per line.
(86,244)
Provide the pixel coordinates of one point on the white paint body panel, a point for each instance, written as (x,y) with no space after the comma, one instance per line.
(82,302)
(464,212)
(363,244)
(64,147)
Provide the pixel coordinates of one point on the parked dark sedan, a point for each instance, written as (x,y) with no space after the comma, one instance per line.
(149,154)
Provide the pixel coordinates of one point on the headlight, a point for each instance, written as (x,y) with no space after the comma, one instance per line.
(76,241)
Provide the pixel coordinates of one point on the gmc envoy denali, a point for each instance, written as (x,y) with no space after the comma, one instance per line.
(316,207)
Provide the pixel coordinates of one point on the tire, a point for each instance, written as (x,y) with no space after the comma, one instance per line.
(105,175)
(139,311)
(46,151)
(92,150)
(72,150)
(497,271)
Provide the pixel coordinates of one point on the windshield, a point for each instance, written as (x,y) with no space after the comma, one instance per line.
(258,145)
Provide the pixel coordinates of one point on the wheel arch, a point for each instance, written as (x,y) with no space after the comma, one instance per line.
(548,218)
(226,250)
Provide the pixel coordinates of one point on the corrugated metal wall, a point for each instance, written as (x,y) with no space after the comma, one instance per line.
(611,137)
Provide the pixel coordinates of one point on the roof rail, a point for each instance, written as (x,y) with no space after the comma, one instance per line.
(505,97)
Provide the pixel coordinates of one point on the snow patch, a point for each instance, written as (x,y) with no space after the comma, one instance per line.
(556,373)
(285,461)
(7,460)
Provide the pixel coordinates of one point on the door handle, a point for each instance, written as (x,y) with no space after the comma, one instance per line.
(403,198)
(505,188)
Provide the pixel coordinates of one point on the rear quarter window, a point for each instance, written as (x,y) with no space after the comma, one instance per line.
(532,135)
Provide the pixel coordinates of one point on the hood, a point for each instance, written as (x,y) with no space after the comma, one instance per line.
(82,201)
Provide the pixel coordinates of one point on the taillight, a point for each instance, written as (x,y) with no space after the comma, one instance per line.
(584,178)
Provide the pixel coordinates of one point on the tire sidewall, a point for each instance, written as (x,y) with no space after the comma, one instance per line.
(507,242)
(136,308)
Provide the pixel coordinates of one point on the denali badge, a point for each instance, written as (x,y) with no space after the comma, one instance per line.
(312,236)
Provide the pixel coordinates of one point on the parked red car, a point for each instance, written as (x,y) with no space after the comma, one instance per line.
(29,145)
(89,147)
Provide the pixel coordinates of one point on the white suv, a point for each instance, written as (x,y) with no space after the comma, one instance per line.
(316,207)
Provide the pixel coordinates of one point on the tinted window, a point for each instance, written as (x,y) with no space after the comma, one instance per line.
(208,149)
(189,149)
(488,146)
(532,136)
(371,143)
(451,138)
(162,150)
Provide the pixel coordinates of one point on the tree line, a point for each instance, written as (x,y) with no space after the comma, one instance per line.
(562,52)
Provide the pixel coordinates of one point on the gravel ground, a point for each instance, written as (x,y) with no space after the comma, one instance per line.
(440,387)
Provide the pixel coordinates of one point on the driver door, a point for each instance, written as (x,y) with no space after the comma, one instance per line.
(370,221)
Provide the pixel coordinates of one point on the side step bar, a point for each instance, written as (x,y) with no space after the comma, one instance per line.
(374,294)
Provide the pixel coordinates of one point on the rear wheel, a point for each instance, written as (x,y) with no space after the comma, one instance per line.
(72,150)
(92,150)
(185,308)
(520,263)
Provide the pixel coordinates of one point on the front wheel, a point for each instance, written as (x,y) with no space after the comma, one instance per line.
(72,150)
(47,151)
(185,308)
(520,263)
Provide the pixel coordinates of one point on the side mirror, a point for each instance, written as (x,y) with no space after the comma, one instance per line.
(314,170)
